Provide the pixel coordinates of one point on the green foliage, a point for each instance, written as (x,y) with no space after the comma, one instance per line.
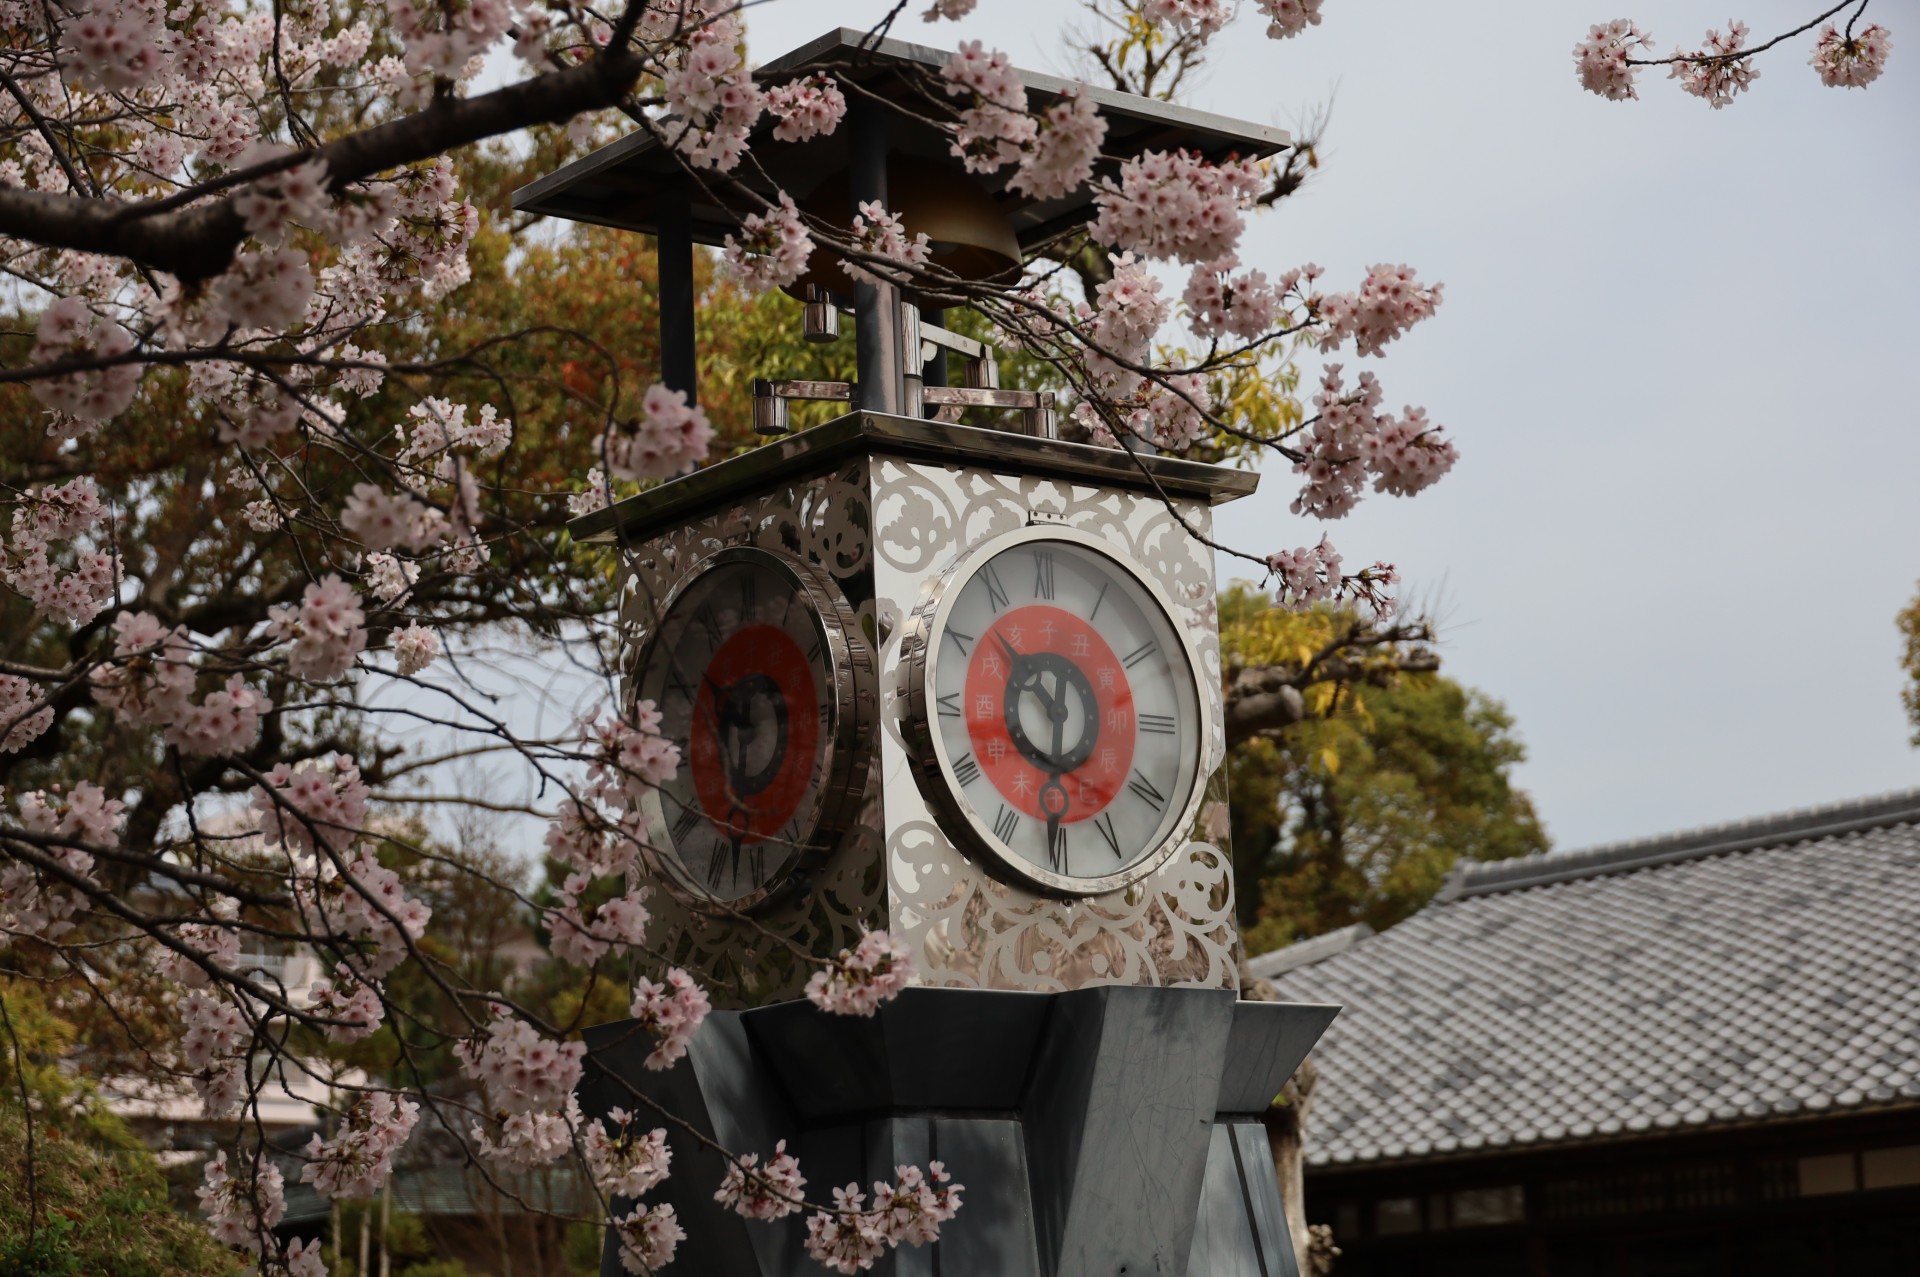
(93,1211)
(1358,811)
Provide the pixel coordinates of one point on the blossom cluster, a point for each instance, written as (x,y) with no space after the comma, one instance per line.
(583,936)
(522,1071)
(1851,62)
(671,1012)
(319,803)
(1714,72)
(669,437)
(712,97)
(1390,301)
(882,234)
(771,249)
(1349,440)
(358,1159)
(324,632)
(849,1238)
(624,1162)
(753,1191)
(70,330)
(808,108)
(1601,60)
(1176,204)
(863,977)
(533,1138)
(357,903)
(1288,18)
(38,904)
(215,1042)
(243,1208)
(72,585)
(649,1237)
(151,683)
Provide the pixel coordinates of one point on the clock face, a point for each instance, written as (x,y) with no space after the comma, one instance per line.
(1062,711)
(751,667)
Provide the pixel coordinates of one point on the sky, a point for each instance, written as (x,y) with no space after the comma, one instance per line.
(1679,352)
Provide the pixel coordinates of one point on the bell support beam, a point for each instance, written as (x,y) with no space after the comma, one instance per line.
(876,306)
(674,243)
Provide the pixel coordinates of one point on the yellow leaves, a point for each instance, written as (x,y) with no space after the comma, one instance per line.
(1330,760)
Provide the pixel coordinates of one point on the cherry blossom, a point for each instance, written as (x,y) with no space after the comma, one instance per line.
(669,437)
(414,648)
(318,803)
(243,1208)
(672,1012)
(326,631)
(712,97)
(807,108)
(951,10)
(350,901)
(627,759)
(845,1239)
(1407,455)
(529,1139)
(33,905)
(624,1162)
(522,1071)
(881,233)
(1307,575)
(1064,146)
(70,330)
(379,519)
(995,129)
(1390,301)
(649,1236)
(358,1158)
(1711,72)
(860,979)
(1220,304)
(348,998)
(1601,60)
(761,1192)
(1175,204)
(1288,18)
(772,248)
(388,578)
(24,713)
(219,944)
(583,937)
(1200,17)
(212,1043)
(1851,63)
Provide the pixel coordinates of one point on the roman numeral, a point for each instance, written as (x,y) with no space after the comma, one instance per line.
(1140,654)
(996,594)
(711,626)
(949,705)
(1059,857)
(1104,823)
(748,587)
(1099,599)
(677,683)
(967,770)
(813,653)
(962,641)
(1161,723)
(717,865)
(1144,788)
(683,825)
(1043,574)
(1005,823)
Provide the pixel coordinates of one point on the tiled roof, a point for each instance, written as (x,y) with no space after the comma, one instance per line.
(1737,974)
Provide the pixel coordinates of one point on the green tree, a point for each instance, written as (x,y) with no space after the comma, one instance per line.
(1390,772)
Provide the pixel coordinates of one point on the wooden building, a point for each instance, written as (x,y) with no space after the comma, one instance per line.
(1691,1056)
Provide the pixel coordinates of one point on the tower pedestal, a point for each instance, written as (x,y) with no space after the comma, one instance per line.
(1104,1131)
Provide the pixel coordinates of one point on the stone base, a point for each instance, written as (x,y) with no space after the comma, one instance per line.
(1105,1131)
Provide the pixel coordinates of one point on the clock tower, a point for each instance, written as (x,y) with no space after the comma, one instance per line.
(936,670)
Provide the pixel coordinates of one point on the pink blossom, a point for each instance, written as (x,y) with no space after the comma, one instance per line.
(227,722)
(1201,18)
(1286,18)
(522,1071)
(860,979)
(881,233)
(388,578)
(1174,204)
(529,1139)
(379,519)
(1601,60)
(68,329)
(671,1012)
(626,760)
(271,205)
(303,1259)
(846,1239)
(218,944)
(116,47)
(358,1159)
(995,129)
(807,108)
(243,1208)
(24,714)
(1718,80)
(414,648)
(1390,301)
(36,906)
(649,1236)
(1307,575)
(349,998)
(762,1192)
(151,679)
(1220,304)
(771,250)
(321,802)
(669,437)
(951,10)
(912,1208)
(357,900)
(325,632)
(712,97)
(267,289)
(584,838)
(584,937)
(1408,455)
(625,1162)
(1067,141)
(1854,63)
(987,74)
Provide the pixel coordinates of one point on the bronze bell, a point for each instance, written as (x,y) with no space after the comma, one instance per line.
(965,229)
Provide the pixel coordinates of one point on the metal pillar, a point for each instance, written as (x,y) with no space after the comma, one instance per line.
(876,307)
(678,369)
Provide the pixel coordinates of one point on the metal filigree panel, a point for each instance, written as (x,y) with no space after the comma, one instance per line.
(968,927)
(825,520)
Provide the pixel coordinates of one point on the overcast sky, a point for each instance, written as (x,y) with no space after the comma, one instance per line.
(1679,352)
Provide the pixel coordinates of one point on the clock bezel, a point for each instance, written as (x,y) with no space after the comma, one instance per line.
(919,661)
(848,729)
